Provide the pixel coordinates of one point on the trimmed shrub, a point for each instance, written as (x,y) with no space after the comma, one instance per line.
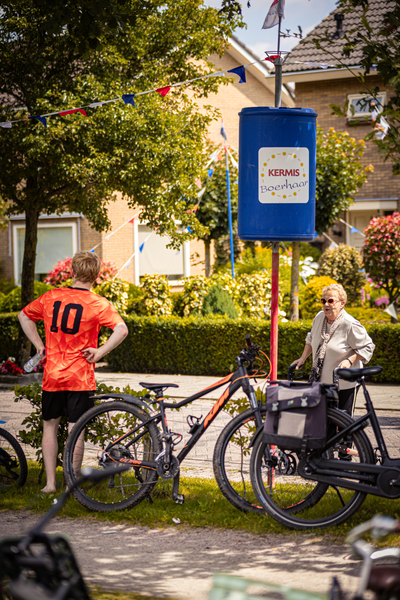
(344,264)
(219,302)
(156,296)
(310,304)
(116,292)
(195,289)
(12,302)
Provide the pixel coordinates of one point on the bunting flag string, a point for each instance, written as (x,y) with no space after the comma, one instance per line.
(333,243)
(240,71)
(130,220)
(125,265)
(352,229)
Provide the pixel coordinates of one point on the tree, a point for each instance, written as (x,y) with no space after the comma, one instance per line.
(149,152)
(377,38)
(381,252)
(213,205)
(339,176)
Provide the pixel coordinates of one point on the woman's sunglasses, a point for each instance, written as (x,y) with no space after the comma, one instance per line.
(330,301)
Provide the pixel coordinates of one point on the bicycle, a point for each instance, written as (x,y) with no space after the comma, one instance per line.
(13,465)
(327,486)
(124,430)
(39,566)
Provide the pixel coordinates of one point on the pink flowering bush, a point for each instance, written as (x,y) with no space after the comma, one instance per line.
(62,271)
(381,253)
(10,367)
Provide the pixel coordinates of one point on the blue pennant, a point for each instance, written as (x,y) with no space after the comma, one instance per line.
(41,119)
(128,99)
(315,235)
(190,230)
(141,247)
(210,172)
(241,72)
(354,230)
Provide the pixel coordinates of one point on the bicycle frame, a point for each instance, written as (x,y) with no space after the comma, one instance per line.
(378,479)
(238,379)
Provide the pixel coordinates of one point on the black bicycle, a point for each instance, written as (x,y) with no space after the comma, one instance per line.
(40,566)
(327,486)
(123,429)
(13,465)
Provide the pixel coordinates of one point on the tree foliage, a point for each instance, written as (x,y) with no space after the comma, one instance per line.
(212,211)
(149,153)
(339,175)
(381,253)
(380,48)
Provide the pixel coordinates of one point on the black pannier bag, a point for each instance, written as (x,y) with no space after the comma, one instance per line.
(296,415)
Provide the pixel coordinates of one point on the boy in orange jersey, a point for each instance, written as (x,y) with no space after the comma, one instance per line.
(72,318)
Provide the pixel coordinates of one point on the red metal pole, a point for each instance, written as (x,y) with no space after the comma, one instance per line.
(274,310)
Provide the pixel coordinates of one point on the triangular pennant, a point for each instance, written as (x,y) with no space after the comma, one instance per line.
(223,132)
(216,74)
(354,230)
(128,99)
(392,311)
(63,113)
(6,125)
(198,183)
(333,245)
(272,58)
(127,263)
(42,120)
(241,72)
(92,250)
(164,90)
(210,172)
(190,230)
(141,247)
(95,104)
(131,220)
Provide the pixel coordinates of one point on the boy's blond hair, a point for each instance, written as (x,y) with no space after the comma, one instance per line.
(86,266)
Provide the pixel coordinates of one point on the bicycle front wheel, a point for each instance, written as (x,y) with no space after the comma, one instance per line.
(301,503)
(13,465)
(112,431)
(231,461)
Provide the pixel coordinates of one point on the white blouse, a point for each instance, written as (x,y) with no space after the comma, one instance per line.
(350,337)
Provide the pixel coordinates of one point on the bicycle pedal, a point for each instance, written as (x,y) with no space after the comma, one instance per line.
(180,499)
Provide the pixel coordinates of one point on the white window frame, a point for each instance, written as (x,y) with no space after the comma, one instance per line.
(17,226)
(185,249)
(364,115)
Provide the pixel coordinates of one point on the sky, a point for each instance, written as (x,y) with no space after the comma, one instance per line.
(306,13)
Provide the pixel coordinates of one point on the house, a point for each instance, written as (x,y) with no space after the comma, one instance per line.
(61,236)
(327,77)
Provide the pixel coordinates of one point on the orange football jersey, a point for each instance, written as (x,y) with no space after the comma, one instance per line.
(72,319)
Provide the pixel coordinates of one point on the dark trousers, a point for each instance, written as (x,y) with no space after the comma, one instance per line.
(346,400)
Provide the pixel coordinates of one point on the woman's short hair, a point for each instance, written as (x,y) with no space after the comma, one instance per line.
(86,266)
(336,287)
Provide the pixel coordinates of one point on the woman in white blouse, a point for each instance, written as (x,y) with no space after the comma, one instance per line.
(336,339)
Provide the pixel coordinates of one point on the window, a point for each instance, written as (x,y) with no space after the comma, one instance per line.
(55,242)
(153,256)
(361,105)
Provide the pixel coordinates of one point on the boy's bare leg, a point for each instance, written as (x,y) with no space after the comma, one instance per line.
(78,451)
(50,452)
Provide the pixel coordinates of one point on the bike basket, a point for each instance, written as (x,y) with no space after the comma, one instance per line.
(296,416)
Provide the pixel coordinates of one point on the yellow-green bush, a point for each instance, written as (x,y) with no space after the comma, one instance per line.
(310,303)
(344,264)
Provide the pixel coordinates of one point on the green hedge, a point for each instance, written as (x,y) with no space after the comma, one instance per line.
(208,346)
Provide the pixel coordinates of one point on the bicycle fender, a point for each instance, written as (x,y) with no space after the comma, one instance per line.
(253,439)
(126,398)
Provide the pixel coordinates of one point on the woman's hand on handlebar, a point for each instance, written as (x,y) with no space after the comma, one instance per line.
(298,362)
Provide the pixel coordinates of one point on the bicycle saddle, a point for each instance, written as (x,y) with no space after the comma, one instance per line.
(355,374)
(157,386)
(385,578)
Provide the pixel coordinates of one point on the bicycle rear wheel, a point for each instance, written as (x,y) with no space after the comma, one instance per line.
(231,461)
(103,426)
(13,465)
(301,503)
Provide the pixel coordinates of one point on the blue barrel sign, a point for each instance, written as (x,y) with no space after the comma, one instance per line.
(277,166)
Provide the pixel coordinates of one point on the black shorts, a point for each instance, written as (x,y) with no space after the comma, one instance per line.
(66,404)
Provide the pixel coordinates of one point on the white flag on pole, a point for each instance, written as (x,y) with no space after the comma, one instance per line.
(392,311)
(276,10)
